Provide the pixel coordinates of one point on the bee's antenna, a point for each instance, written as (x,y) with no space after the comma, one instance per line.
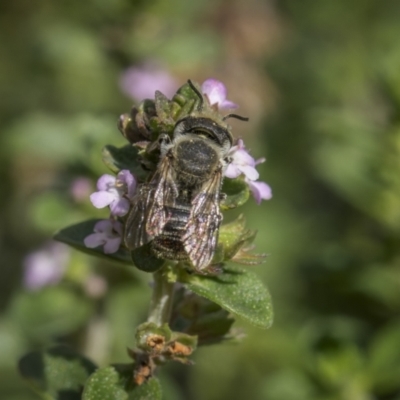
(234,116)
(199,95)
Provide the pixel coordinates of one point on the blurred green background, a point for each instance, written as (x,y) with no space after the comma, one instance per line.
(320,81)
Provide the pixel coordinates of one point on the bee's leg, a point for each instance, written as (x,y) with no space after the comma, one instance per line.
(164,139)
(222,196)
(164,143)
(212,270)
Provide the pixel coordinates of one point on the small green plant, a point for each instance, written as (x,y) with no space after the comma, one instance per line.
(180,170)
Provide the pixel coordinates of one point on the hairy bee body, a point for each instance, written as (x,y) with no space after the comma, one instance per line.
(177,212)
(168,244)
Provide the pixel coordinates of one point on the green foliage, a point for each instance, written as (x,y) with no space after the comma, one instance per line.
(384,361)
(50,312)
(234,290)
(237,193)
(56,373)
(237,290)
(320,82)
(199,317)
(126,157)
(115,383)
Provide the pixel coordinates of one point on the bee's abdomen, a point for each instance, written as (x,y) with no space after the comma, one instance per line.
(169,245)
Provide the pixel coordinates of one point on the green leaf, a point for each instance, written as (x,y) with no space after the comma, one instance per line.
(126,157)
(237,193)
(232,237)
(237,290)
(57,373)
(163,108)
(198,316)
(150,390)
(384,360)
(75,234)
(50,312)
(105,384)
(115,383)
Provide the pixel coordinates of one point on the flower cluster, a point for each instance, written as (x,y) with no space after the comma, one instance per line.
(107,233)
(243,163)
(117,192)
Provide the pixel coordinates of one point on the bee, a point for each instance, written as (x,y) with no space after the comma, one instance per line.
(178,211)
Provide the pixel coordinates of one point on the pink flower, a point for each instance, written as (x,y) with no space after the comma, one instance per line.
(243,163)
(141,83)
(216,94)
(259,190)
(80,188)
(46,266)
(107,233)
(115,192)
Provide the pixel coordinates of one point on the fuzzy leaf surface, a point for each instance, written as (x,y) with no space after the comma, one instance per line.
(114,383)
(237,290)
(56,373)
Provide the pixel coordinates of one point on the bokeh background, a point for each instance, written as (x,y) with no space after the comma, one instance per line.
(320,81)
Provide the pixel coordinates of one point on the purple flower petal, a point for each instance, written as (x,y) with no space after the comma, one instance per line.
(216,93)
(228,105)
(125,177)
(242,163)
(120,207)
(102,199)
(106,182)
(232,171)
(215,90)
(112,245)
(105,225)
(260,190)
(250,172)
(242,157)
(107,233)
(113,191)
(94,240)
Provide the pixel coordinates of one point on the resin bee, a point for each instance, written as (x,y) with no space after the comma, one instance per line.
(178,210)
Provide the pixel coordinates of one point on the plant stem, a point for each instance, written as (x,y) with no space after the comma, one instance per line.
(161,302)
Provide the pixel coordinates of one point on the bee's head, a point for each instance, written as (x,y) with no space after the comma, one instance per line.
(206,122)
(204,127)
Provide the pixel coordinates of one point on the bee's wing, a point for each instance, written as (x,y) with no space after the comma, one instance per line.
(205,218)
(163,197)
(135,234)
(149,213)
